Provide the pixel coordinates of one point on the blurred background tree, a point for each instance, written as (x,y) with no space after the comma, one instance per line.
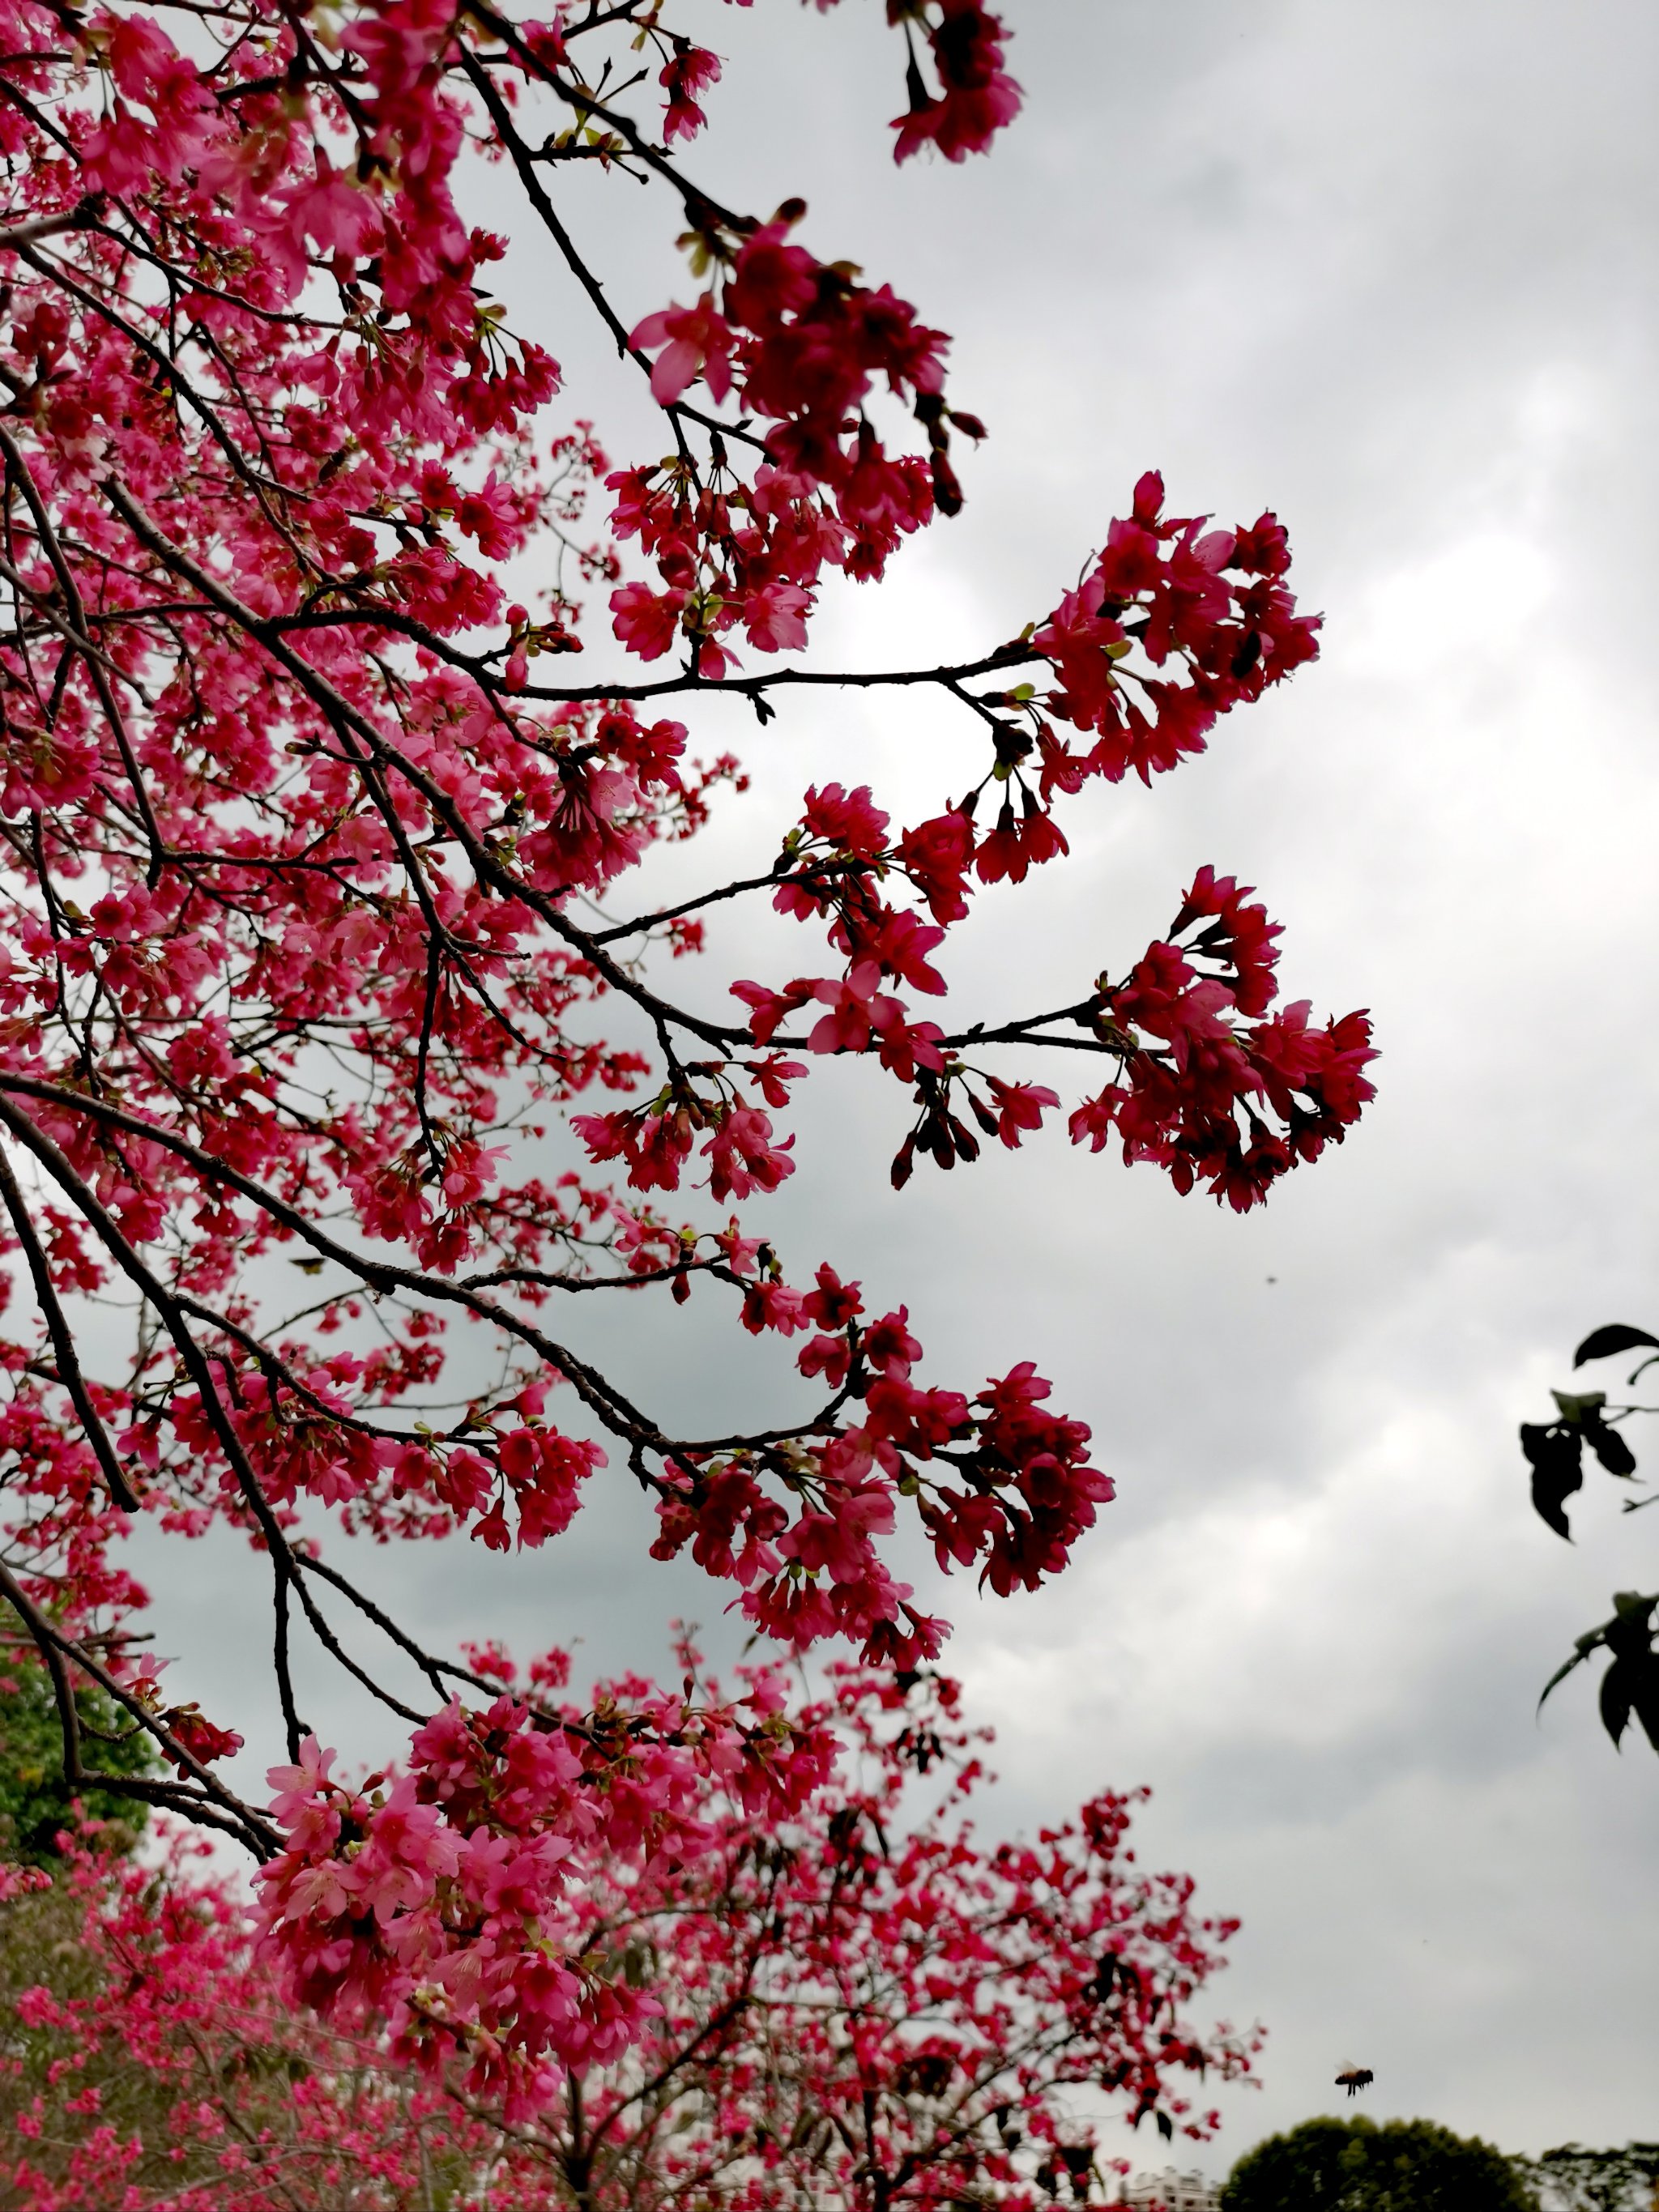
(1359,2165)
(142,2063)
(36,1803)
(1574,2179)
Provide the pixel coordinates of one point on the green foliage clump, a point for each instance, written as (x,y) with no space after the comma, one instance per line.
(1357,2165)
(36,1803)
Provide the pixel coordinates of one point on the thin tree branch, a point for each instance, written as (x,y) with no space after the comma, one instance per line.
(63,1342)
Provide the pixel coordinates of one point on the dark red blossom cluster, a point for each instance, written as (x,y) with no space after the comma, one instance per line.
(1181,1105)
(1207,610)
(657,1141)
(410,1898)
(1174,626)
(688,72)
(976,96)
(802,346)
(998,1478)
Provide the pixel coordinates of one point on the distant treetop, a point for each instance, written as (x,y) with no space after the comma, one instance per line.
(1359,2165)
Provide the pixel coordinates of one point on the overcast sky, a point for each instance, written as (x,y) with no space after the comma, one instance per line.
(1389,269)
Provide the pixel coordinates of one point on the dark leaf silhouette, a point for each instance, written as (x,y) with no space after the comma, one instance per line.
(1555,1455)
(1631,1685)
(1617,1336)
(1610,1448)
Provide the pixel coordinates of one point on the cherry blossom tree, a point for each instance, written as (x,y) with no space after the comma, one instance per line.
(319,947)
(148,2061)
(863,2008)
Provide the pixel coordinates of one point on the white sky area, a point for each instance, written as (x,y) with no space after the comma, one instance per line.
(1387,269)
